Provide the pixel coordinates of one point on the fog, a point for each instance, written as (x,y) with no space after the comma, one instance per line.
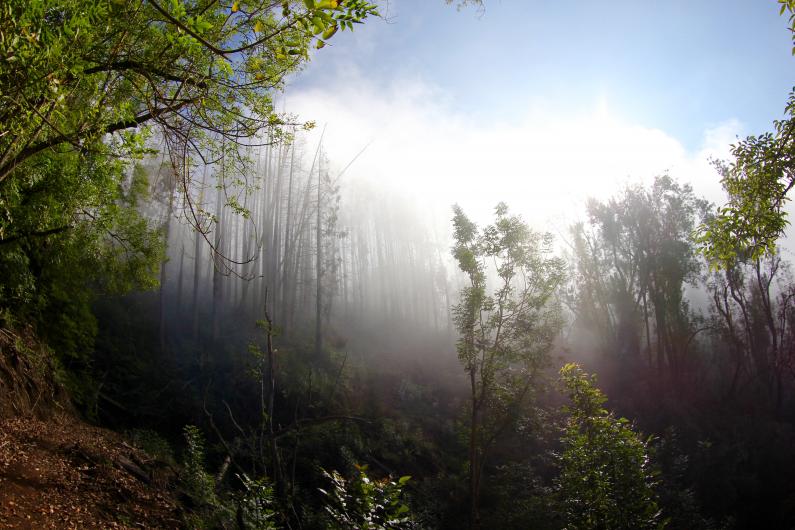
(392,264)
(545,164)
(393,158)
(341,238)
(386,277)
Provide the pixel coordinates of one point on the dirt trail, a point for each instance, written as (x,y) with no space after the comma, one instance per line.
(65,474)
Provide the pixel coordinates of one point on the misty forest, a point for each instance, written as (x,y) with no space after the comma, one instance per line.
(207,321)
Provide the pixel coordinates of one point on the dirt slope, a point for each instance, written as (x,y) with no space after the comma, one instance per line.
(62,473)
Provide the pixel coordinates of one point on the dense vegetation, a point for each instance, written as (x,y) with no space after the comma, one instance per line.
(205,283)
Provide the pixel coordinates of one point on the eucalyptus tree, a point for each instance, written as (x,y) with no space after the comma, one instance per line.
(632,260)
(753,321)
(506,333)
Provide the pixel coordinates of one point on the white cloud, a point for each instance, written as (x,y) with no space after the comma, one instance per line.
(544,166)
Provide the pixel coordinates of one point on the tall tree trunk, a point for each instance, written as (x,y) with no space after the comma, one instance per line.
(286,285)
(197,252)
(648,330)
(474,461)
(163,267)
(318,269)
(276,466)
(217,264)
(178,303)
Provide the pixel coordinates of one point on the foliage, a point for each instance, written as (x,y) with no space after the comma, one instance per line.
(632,261)
(506,335)
(677,497)
(364,503)
(83,84)
(92,77)
(152,443)
(78,70)
(70,230)
(199,484)
(752,317)
(463,3)
(521,497)
(757,182)
(606,479)
(255,508)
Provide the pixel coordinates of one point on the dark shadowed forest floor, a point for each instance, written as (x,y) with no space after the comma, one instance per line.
(65,474)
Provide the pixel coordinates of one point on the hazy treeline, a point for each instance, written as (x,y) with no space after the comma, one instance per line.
(303,321)
(642,290)
(193,270)
(701,358)
(326,255)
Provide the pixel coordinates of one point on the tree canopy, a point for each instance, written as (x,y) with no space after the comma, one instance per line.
(757,182)
(86,87)
(606,480)
(506,334)
(202,70)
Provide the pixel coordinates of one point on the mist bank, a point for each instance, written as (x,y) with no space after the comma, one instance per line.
(348,288)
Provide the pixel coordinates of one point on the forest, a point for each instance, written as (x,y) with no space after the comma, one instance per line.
(186,266)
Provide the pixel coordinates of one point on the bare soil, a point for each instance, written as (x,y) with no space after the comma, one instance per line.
(65,474)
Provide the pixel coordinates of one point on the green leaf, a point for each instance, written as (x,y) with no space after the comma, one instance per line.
(330,31)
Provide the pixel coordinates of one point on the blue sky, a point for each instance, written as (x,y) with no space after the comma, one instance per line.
(681,66)
(552,101)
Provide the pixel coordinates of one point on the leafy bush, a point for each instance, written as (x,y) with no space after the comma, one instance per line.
(151,443)
(198,484)
(606,479)
(363,503)
(256,504)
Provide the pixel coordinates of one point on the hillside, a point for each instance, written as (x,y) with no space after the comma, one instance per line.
(63,473)
(58,472)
